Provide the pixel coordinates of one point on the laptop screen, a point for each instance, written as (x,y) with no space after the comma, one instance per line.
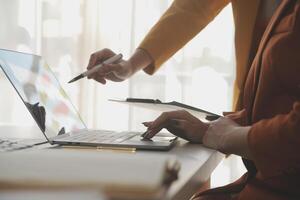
(41,93)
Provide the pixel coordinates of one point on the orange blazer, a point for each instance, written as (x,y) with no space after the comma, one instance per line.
(271,93)
(186,18)
(272,107)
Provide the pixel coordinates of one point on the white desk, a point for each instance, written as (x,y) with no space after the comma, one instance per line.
(197,163)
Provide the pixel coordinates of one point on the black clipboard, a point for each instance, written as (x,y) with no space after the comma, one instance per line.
(156,104)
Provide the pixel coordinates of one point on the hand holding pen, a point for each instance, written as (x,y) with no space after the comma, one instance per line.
(102,68)
(119,70)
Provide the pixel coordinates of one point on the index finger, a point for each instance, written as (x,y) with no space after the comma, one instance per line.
(171,123)
(150,133)
(99,56)
(166,116)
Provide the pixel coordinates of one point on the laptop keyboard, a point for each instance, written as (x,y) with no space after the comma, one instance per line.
(96,136)
(12,145)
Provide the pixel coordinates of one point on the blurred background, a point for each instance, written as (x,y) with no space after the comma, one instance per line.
(66,32)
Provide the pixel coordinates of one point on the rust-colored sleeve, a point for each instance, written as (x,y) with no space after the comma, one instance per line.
(178,25)
(275,143)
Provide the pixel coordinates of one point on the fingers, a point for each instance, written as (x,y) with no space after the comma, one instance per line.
(177,132)
(99,79)
(151,132)
(177,127)
(99,57)
(147,124)
(104,70)
(174,123)
(166,116)
(114,72)
(96,58)
(188,130)
(180,123)
(178,119)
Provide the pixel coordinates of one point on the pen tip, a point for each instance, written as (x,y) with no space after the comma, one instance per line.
(71,81)
(76,78)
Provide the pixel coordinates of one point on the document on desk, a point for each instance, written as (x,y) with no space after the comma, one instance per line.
(116,175)
(157,105)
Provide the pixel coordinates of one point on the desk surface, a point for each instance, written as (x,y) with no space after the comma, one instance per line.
(197,163)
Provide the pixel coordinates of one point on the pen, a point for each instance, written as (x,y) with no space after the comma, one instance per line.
(111,60)
(102,148)
(118,149)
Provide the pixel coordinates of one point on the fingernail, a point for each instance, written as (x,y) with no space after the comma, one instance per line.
(147,124)
(144,123)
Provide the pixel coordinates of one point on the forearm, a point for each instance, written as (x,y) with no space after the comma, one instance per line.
(178,25)
(228,137)
(139,60)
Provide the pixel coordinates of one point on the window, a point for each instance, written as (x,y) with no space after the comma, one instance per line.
(66,32)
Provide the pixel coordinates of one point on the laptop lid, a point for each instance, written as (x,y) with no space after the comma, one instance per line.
(41,93)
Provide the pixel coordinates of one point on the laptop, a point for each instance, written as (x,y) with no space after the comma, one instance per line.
(54,113)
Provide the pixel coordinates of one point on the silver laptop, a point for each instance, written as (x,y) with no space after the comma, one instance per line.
(54,112)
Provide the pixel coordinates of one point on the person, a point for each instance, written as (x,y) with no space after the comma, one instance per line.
(265,128)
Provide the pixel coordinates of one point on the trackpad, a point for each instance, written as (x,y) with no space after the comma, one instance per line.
(155,141)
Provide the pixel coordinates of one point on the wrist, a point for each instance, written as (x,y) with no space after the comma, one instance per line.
(139,60)
(228,137)
(211,137)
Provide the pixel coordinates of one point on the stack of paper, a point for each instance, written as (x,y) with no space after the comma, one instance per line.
(125,175)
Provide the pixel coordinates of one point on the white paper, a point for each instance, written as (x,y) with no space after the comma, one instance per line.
(108,171)
(161,107)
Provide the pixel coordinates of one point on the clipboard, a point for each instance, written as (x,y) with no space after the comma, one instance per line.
(157,105)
